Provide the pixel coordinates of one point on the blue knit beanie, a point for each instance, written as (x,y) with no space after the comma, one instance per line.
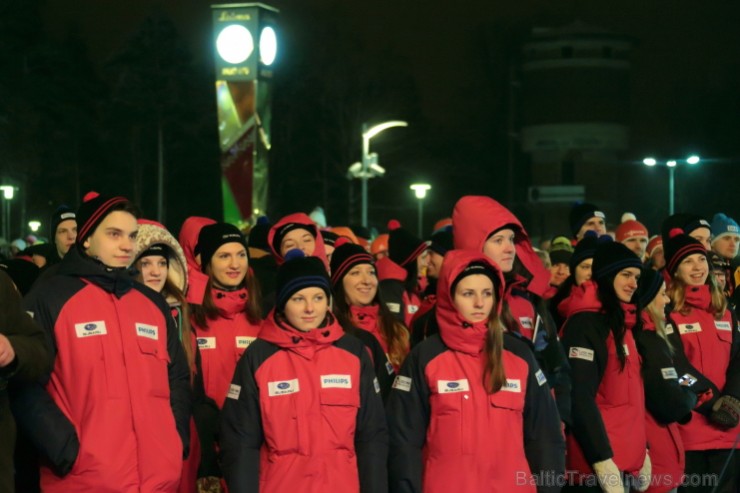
(723,225)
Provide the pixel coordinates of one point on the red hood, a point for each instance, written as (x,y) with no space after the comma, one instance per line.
(456,332)
(476,217)
(189,237)
(303,343)
(388,269)
(303,219)
(583,298)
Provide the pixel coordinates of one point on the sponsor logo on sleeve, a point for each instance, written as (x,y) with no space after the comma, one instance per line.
(722,325)
(30,314)
(148,331)
(412,309)
(669,373)
(234,391)
(687,380)
(244,341)
(669,329)
(525,322)
(626,349)
(206,343)
(581,353)
(689,328)
(88,329)
(388,366)
(451,386)
(394,307)
(512,385)
(336,381)
(541,379)
(282,387)
(376,385)
(402,383)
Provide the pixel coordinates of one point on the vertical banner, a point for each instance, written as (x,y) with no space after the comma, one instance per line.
(246,47)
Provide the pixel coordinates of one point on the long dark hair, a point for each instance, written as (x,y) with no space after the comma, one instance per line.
(209,311)
(494,374)
(612,310)
(395,333)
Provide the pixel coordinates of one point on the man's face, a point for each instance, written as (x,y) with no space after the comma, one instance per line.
(65,236)
(593,224)
(726,246)
(434,264)
(114,240)
(637,244)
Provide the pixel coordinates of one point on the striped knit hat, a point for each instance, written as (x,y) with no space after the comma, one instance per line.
(678,247)
(92,211)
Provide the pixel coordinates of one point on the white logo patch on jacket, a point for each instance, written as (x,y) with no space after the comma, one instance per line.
(234,391)
(87,329)
(525,322)
(689,328)
(402,383)
(394,307)
(669,329)
(148,331)
(669,373)
(626,349)
(541,378)
(244,341)
(336,381)
(412,309)
(512,385)
(581,353)
(206,343)
(721,325)
(450,386)
(283,387)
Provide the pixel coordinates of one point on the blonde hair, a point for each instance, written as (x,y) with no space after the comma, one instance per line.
(658,318)
(677,293)
(494,375)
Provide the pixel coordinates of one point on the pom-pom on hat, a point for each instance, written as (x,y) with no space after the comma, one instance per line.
(212,236)
(648,286)
(585,249)
(299,272)
(345,257)
(612,257)
(722,225)
(679,246)
(92,211)
(61,214)
(403,246)
(582,212)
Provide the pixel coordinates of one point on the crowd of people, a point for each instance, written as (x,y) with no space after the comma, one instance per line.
(295,357)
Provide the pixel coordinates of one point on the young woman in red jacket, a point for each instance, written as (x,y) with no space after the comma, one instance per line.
(224,325)
(471,410)
(607,436)
(711,341)
(304,412)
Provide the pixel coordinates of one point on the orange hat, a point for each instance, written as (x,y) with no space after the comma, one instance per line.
(380,244)
(442,223)
(346,232)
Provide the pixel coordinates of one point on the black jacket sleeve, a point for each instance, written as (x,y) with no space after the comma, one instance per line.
(544,444)
(383,368)
(206,416)
(584,331)
(665,398)
(179,378)
(408,419)
(732,382)
(242,434)
(553,362)
(371,432)
(391,293)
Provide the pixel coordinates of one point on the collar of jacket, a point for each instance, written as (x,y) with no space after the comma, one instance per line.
(115,280)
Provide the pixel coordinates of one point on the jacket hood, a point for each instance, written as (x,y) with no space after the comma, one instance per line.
(305,344)
(456,332)
(583,298)
(476,217)
(189,237)
(388,269)
(304,221)
(153,233)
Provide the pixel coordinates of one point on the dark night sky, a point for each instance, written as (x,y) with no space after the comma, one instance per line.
(685,67)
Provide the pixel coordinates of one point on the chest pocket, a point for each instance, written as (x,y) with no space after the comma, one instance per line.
(339,415)
(281,422)
(509,400)
(724,329)
(155,359)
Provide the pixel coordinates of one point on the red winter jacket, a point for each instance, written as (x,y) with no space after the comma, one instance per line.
(188,239)
(442,419)
(303,219)
(304,414)
(608,402)
(223,342)
(120,377)
(709,347)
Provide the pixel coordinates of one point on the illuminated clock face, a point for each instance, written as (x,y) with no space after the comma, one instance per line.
(268,46)
(234,44)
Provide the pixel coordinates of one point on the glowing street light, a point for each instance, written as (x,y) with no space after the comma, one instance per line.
(671,164)
(34,225)
(420,190)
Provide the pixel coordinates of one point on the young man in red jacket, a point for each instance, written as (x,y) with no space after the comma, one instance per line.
(115,413)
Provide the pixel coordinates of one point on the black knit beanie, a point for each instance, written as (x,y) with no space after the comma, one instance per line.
(23,273)
(476,268)
(287,228)
(580,213)
(648,286)
(586,248)
(678,247)
(329,237)
(61,214)
(158,249)
(403,246)
(299,272)
(212,236)
(441,241)
(346,256)
(258,234)
(612,257)
(92,211)
(683,221)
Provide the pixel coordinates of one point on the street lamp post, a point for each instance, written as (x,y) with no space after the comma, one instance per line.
(420,190)
(671,165)
(370,168)
(8,192)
